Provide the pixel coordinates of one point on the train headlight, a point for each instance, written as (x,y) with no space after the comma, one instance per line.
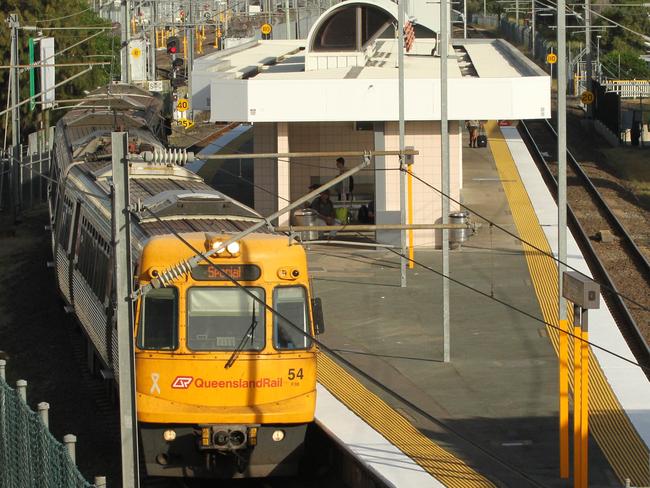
(216,244)
(233,248)
(169,435)
(237,438)
(278,435)
(220,438)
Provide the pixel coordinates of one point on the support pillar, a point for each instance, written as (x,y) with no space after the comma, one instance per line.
(284,171)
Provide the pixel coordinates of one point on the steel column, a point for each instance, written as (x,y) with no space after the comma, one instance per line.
(444,174)
(124,309)
(402,176)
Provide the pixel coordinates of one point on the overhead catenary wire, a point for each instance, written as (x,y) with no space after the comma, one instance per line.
(501,228)
(63,17)
(524,241)
(503,302)
(349,364)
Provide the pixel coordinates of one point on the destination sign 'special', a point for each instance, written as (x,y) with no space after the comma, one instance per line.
(244,272)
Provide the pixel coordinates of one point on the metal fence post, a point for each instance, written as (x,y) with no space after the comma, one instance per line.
(100,482)
(21,388)
(43,411)
(70,441)
(3,365)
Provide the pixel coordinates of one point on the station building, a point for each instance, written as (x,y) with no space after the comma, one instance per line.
(337,90)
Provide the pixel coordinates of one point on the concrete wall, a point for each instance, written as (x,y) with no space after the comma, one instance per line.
(287,100)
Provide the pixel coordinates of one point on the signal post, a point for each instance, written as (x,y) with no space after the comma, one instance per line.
(584,293)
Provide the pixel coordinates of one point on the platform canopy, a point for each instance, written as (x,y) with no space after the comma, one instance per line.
(346,70)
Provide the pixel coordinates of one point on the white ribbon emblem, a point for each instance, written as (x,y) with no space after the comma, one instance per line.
(154,383)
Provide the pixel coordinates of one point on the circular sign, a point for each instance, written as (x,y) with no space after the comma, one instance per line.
(551,58)
(182,105)
(207,16)
(266,29)
(136,52)
(587,98)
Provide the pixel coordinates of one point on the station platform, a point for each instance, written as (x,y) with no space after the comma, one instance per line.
(489,417)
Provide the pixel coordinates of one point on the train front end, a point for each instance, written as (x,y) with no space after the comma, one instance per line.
(225,370)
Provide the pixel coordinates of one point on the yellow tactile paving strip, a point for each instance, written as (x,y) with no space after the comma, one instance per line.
(608,422)
(440,463)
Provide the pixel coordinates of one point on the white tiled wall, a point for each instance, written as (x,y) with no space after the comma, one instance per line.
(341,136)
(424,137)
(331,137)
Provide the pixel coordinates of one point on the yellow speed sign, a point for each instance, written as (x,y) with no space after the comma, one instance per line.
(551,58)
(587,97)
(186,123)
(182,105)
(136,52)
(266,29)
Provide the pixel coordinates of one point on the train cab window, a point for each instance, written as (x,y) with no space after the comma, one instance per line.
(225,319)
(159,319)
(291,302)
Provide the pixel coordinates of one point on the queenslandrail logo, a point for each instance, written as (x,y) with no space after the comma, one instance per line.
(184,382)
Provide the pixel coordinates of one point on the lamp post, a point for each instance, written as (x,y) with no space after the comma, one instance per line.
(598,70)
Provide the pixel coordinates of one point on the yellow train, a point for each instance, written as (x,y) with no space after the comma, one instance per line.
(225,386)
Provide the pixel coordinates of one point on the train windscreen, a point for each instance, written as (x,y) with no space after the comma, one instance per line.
(225,319)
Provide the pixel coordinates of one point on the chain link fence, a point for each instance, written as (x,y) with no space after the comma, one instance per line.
(29,455)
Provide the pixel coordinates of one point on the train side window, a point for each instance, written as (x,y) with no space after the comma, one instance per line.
(158,328)
(291,302)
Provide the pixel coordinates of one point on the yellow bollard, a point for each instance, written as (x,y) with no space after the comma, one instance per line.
(564,399)
(409,174)
(584,408)
(185,47)
(577,402)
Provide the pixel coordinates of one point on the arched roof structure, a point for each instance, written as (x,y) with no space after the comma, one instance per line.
(352,26)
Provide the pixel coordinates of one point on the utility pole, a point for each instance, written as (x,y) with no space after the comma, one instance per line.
(561,220)
(152,40)
(402,174)
(444,175)
(589,84)
(517,12)
(124,310)
(464,19)
(190,58)
(288,19)
(532,23)
(126,35)
(15,119)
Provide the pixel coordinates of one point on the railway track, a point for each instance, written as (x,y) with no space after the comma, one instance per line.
(620,263)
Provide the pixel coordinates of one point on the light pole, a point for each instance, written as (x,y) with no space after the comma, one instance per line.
(532,27)
(598,70)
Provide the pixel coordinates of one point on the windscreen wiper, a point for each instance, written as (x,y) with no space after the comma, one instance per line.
(250,332)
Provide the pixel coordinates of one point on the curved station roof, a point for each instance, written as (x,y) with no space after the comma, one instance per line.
(346,70)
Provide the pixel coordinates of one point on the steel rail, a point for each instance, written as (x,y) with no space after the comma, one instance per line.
(603,204)
(640,348)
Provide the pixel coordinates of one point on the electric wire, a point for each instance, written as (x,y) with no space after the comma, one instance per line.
(523,241)
(350,365)
(62,18)
(502,302)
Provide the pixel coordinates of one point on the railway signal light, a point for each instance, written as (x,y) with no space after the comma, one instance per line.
(172,45)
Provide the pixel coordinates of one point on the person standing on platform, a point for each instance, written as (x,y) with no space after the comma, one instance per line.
(472,127)
(345,187)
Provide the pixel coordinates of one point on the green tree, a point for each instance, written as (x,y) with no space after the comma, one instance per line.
(45,14)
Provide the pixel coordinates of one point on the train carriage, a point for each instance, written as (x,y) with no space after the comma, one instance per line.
(225,386)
